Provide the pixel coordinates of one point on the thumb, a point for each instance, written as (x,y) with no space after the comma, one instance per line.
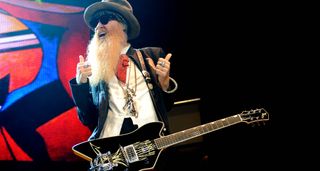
(81,59)
(168,56)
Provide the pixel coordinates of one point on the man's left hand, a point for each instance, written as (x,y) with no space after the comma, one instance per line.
(162,69)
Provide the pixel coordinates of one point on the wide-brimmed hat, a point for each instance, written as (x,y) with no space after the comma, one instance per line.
(121,7)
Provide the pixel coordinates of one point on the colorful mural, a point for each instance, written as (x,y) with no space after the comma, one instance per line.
(39,47)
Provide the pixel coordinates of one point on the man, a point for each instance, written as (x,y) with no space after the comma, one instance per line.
(115,91)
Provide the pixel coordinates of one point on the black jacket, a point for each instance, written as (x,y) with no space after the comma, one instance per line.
(92,102)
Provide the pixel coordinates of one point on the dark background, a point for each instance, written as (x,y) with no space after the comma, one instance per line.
(228,54)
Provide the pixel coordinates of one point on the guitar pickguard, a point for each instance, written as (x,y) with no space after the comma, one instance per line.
(124,156)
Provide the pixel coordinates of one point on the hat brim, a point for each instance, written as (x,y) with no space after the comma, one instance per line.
(132,22)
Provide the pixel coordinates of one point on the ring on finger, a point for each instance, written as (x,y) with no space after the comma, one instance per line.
(162,64)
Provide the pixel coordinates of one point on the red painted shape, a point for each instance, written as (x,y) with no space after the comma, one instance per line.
(61,133)
(7,144)
(22,65)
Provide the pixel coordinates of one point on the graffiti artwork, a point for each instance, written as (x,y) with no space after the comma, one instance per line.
(39,47)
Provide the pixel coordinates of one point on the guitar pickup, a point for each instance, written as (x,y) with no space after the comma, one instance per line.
(130,154)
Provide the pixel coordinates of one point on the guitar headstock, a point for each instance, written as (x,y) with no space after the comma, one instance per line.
(256,115)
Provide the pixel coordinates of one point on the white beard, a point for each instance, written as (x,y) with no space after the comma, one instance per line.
(103,53)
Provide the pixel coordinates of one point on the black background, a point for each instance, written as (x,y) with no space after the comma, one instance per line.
(230,56)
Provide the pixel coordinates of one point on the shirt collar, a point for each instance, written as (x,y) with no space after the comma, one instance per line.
(125,49)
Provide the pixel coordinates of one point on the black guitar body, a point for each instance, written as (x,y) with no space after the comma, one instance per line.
(112,144)
(140,149)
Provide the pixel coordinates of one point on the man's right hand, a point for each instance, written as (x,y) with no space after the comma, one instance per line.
(83,71)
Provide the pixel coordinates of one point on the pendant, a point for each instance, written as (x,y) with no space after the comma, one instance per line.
(130,104)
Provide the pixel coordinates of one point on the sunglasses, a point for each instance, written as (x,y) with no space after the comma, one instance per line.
(104,19)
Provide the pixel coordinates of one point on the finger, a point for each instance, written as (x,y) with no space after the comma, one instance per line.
(81,58)
(168,56)
(163,69)
(163,63)
(161,73)
(79,66)
(86,74)
(87,69)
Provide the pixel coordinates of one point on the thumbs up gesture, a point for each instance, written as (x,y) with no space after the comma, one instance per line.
(83,71)
(162,69)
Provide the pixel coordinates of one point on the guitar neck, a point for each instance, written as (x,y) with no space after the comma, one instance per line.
(178,137)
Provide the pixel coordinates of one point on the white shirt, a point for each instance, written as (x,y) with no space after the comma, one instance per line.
(142,100)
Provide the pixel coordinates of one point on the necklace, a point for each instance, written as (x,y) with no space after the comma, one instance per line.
(130,106)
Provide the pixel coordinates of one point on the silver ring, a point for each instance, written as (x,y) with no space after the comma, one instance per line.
(162,64)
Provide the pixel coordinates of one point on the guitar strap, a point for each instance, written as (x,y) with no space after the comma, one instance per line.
(145,73)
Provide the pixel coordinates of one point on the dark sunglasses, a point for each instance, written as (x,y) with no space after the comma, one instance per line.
(104,19)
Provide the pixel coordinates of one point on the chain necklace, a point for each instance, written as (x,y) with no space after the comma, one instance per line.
(130,106)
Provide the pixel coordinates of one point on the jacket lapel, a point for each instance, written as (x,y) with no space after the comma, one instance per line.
(133,56)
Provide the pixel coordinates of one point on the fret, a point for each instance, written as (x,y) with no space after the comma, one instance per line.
(235,119)
(176,137)
(232,119)
(163,143)
(187,133)
(196,131)
(159,143)
(171,139)
(214,125)
(225,122)
(219,123)
(156,142)
(208,126)
(180,136)
(183,135)
(205,128)
(166,141)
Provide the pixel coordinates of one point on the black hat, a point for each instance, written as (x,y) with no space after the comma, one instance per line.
(121,7)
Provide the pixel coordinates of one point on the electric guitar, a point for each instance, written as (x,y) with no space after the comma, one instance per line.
(140,149)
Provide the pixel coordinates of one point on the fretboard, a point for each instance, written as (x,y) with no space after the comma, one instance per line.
(181,136)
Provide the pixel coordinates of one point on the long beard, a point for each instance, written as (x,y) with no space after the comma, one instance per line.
(103,53)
